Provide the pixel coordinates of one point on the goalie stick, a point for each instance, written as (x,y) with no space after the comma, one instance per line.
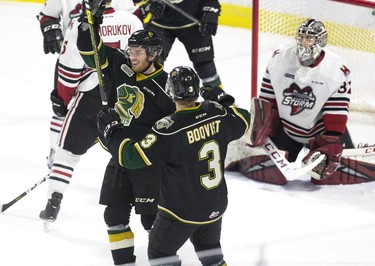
(284,165)
(291,173)
(363,151)
(5,206)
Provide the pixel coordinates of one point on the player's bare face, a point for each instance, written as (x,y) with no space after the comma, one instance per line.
(138,58)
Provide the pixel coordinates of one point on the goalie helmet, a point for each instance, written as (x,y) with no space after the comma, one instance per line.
(311,37)
(183,84)
(146,39)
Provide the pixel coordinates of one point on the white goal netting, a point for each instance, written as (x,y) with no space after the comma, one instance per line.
(351,34)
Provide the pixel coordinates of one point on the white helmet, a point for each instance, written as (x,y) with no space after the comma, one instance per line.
(316,33)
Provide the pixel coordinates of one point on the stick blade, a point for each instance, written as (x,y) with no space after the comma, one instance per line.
(4,207)
(308,167)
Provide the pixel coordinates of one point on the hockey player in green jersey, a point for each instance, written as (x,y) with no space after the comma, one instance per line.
(137,81)
(190,145)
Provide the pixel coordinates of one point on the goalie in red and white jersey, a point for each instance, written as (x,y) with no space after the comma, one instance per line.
(309,89)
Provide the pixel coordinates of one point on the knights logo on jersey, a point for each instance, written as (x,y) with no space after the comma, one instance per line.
(298,99)
(130,103)
(165,122)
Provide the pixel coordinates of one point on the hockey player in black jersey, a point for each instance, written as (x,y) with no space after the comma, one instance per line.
(197,39)
(190,145)
(137,82)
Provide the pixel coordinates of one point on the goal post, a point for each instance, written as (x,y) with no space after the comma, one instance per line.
(351,34)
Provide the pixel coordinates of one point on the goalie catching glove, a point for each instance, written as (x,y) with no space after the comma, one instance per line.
(107,121)
(332,148)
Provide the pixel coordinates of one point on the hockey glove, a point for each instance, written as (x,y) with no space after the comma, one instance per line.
(216,94)
(107,121)
(52,35)
(331,147)
(58,106)
(97,11)
(155,7)
(211,12)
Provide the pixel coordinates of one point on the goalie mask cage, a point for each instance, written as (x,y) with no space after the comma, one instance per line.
(351,34)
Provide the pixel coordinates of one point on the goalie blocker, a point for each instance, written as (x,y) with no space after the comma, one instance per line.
(258,166)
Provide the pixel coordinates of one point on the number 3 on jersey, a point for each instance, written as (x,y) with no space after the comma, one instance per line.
(215,175)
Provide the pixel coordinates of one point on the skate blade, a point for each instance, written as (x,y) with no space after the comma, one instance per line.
(46,226)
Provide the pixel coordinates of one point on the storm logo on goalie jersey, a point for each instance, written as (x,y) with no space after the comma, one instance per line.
(298,99)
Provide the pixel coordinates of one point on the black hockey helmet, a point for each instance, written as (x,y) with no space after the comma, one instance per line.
(146,39)
(183,83)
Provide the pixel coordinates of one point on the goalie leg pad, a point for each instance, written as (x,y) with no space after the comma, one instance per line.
(263,123)
(349,172)
(259,168)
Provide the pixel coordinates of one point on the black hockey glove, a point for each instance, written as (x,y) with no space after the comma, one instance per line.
(107,121)
(211,12)
(58,105)
(155,7)
(52,35)
(216,94)
(97,11)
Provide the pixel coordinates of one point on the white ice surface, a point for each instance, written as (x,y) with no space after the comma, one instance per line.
(295,225)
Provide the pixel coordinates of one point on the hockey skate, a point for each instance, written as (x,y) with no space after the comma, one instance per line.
(49,214)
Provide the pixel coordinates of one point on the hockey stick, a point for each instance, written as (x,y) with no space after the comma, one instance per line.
(96,53)
(5,206)
(364,151)
(284,165)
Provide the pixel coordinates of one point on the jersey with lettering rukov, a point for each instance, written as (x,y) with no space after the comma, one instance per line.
(74,75)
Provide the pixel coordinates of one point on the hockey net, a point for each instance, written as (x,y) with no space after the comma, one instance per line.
(351,33)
